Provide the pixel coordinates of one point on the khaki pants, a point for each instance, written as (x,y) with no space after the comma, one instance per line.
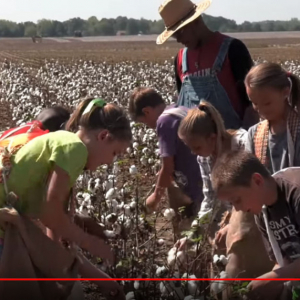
(177,199)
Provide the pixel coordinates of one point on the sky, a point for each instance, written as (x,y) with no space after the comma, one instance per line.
(61,10)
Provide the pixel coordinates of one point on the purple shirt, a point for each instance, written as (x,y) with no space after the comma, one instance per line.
(187,174)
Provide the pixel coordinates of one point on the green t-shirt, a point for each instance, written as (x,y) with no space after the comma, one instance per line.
(33,163)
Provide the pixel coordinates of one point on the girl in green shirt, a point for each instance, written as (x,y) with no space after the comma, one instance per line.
(44,170)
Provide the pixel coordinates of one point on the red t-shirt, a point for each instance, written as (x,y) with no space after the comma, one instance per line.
(200,63)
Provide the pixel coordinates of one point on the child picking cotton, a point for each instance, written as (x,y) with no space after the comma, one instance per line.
(179,174)
(52,162)
(203,131)
(241,179)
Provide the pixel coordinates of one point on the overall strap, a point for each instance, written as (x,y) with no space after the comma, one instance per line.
(218,64)
(293,130)
(260,140)
(184,61)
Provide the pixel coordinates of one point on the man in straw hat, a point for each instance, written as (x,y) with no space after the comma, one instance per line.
(212,66)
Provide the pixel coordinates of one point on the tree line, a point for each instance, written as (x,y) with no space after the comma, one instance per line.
(95,27)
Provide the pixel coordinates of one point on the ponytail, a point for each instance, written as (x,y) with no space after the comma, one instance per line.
(203,122)
(93,114)
(295,91)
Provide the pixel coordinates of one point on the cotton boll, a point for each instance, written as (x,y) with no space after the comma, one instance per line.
(110,234)
(163,289)
(144,161)
(150,161)
(160,271)
(161,242)
(120,206)
(130,296)
(127,210)
(192,286)
(116,168)
(216,259)
(132,205)
(135,145)
(129,150)
(169,214)
(127,223)
(110,194)
(117,228)
(136,285)
(112,177)
(223,260)
(133,170)
(83,211)
(195,224)
(145,151)
(111,219)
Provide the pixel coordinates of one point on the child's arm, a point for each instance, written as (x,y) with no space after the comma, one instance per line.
(164,181)
(54,217)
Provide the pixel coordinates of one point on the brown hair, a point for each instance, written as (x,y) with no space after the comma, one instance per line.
(110,117)
(204,121)
(54,118)
(236,168)
(142,97)
(273,75)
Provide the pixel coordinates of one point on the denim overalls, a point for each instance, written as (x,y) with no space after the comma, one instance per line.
(194,89)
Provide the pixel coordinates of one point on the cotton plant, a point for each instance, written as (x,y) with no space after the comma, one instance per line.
(114,195)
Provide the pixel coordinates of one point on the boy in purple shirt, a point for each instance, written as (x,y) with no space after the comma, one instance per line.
(180,174)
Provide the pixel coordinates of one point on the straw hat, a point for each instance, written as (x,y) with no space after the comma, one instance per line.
(178,13)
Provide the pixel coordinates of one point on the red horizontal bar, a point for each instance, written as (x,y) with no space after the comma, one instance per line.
(147,279)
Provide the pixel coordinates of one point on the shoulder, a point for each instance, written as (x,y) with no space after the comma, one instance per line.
(253,129)
(288,182)
(288,176)
(237,45)
(65,140)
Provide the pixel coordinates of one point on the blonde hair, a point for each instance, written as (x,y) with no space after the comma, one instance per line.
(274,76)
(204,121)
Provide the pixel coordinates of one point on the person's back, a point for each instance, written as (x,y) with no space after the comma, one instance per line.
(186,174)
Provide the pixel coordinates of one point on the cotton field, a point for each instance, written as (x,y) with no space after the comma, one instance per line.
(114,195)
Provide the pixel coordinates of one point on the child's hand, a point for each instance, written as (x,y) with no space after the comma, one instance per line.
(9,216)
(91,226)
(180,244)
(262,289)
(221,237)
(152,202)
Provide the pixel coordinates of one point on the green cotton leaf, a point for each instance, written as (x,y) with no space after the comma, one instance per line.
(123,263)
(245,284)
(186,233)
(198,239)
(181,209)
(99,260)
(296,294)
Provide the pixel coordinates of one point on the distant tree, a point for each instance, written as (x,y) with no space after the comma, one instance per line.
(30,30)
(132,27)
(45,28)
(121,24)
(106,27)
(94,26)
(144,26)
(74,24)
